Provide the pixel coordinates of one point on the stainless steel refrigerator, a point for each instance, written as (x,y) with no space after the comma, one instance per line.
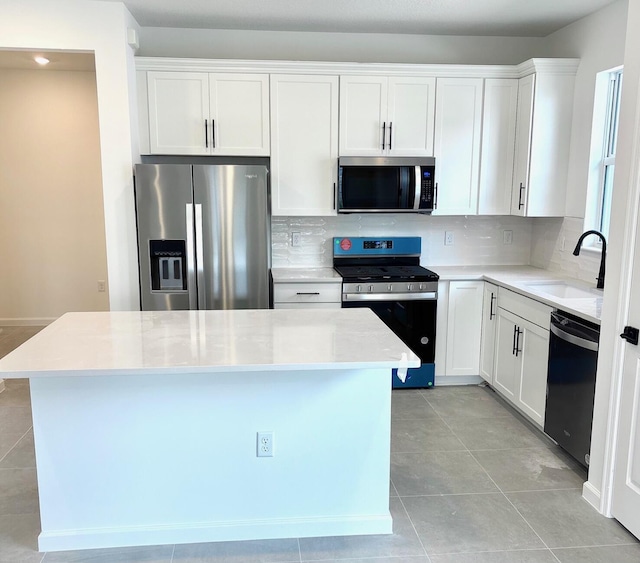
(203,236)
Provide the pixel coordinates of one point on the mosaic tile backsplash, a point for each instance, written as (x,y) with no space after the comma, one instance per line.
(476,240)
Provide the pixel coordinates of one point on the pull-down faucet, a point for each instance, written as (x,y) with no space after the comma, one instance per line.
(576,251)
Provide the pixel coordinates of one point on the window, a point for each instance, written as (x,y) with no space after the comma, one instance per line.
(603,152)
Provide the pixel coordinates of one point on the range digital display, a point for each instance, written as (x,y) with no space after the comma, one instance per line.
(377,244)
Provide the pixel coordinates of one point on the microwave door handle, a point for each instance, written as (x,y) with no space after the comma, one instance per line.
(416,188)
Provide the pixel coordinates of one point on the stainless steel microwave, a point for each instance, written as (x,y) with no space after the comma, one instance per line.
(387,185)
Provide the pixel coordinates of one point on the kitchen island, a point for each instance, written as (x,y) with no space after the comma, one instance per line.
(146,424)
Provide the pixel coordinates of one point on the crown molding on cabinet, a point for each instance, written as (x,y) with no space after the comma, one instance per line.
(556,66)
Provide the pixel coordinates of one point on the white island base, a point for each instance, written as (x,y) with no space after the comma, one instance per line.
(155,456)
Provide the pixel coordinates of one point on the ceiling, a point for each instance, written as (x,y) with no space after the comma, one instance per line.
(58,60)
(525,18)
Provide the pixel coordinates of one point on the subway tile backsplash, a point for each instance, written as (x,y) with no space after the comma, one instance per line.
(476,240)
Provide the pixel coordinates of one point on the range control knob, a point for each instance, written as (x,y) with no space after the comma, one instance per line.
(410,287)
(421,286)
(389,287)
(358,288)
(370,288)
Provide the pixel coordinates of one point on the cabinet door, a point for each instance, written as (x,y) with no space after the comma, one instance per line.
(533,355)
(410,111)
(524,119)
(457,144)
(178,111)
(363,113)
(489,322)
(464,325)
(240,113)
(498,146)
(304,144)
(505,378)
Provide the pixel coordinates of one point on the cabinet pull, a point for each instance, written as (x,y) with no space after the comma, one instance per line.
(384,133)
(518,333)
(206,134)
(513,349)
(520,204)
(308,293)
(390,132)
(334,195)
(213,133)
(491,312)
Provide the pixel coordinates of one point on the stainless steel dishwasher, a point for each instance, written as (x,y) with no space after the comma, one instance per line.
(571,383)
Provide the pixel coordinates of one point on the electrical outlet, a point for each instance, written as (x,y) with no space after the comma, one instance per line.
(507,237)
(296,238)
(448,238)
(265,444)
(101,286)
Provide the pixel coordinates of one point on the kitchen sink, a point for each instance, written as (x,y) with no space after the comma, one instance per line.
(564,290)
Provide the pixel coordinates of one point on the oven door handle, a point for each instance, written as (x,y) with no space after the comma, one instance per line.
(426,296)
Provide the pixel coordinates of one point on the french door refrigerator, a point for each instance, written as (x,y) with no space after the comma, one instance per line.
(203,236)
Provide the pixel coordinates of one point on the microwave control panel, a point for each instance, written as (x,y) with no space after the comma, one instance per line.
(426,188)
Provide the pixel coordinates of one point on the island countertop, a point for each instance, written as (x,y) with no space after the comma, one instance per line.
(178,342)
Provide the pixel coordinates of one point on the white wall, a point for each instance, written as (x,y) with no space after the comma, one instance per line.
(477,240)
(99,27)
(51,210)
(345,47)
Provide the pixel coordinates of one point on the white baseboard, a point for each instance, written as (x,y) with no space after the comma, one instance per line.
(215,531)
(591,495)
(443,380)
(30,321)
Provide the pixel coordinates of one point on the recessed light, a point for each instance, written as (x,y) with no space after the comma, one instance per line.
(41,60)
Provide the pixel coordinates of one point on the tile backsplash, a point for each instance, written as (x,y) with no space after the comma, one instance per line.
(476,240)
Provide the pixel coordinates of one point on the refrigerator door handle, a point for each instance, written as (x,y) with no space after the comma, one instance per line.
(191,262)
(199,256)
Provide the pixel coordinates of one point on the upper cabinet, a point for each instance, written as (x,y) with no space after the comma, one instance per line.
(196,113)
(304,144)
(543,134)
(386,116)
(457,145)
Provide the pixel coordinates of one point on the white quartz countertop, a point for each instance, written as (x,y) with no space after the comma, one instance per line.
(123,343)
(316,275)
(530,281)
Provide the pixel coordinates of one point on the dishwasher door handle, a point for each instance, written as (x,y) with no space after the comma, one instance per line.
(572,339)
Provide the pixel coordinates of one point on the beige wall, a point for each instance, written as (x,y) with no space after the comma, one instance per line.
(52,230)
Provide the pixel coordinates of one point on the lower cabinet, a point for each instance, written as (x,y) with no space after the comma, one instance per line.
(307,295)
(521,355)
(464,327)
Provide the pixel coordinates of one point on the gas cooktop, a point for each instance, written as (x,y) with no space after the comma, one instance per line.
(392,273)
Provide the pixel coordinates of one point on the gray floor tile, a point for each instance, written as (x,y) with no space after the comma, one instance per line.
(496,433)
(258,551)
(402,543)
(528,556)
(609,554)
(15,395)
(469,523)
(15,420)
(434,473)
(411,559)
(407,403)
(8,441)
(565,519)
(22,455)
(18,491)
(422,435)
(150,554)
(529,469)
(475,402)
(19,538)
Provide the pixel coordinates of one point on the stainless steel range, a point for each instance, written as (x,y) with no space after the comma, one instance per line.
(385,275)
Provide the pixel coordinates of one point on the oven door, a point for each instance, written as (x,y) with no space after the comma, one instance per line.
(414,322)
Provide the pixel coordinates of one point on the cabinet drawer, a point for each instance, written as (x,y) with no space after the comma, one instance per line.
(307,292)
(309,305)
(526,308)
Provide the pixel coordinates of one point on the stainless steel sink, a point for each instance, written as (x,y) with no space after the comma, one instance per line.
(564,290)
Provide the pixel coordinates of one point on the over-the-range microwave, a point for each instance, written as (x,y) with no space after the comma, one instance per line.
(387,185)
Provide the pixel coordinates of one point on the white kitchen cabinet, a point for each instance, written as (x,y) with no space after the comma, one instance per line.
(386,116)
(464,326)
(199,113)
(458,124)
(304,144)
(489,322)
(498,146)
(543,135)
(307,295)
(521,354)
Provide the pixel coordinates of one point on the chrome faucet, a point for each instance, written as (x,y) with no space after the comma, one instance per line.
(576,251)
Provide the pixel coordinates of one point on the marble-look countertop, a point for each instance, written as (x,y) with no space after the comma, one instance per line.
(315,275)
(178,342)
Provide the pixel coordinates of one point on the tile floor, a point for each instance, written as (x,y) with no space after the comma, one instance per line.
(471,482)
